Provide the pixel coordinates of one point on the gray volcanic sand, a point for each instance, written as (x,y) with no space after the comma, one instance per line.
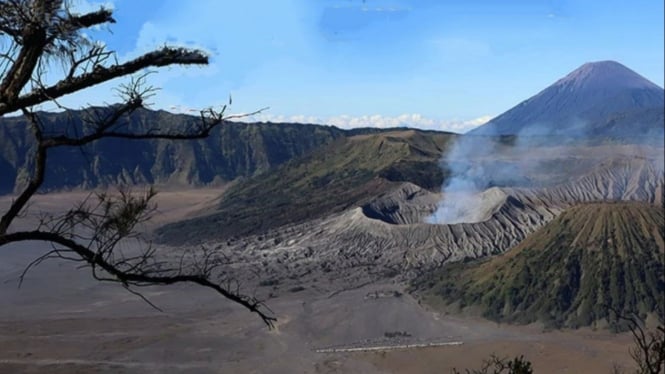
(62,321)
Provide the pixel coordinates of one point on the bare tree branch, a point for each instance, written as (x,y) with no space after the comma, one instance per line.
(138,279)
(162,57)
(36,180)
(648,351)
(77,22)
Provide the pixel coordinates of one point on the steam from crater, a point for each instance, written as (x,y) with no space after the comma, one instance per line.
(478,165)
(462,193)
(600,102)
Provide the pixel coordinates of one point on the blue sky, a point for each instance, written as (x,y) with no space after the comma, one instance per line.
(447,65)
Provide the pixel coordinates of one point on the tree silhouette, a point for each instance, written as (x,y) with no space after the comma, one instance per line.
(648,350)
(36,35)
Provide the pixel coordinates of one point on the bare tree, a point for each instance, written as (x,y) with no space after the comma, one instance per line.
(648,350)
(36,35)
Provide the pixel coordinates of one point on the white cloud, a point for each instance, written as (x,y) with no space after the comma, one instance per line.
(414,120)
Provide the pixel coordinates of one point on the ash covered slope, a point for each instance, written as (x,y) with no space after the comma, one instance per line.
(599,99)
(509,215)
(387,236)
(567,272)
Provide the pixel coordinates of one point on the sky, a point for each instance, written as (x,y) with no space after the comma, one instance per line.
(434,64)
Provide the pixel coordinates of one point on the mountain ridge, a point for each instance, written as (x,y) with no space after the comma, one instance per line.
(233,150)
(569,272)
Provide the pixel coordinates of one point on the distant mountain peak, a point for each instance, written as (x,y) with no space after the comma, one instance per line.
(583,102)
(605,73)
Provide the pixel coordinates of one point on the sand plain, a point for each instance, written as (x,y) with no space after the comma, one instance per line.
(62,321)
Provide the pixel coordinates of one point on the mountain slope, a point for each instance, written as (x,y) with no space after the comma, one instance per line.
(345,174)
(569,271)
(386,236)
(584,100)
(232,150)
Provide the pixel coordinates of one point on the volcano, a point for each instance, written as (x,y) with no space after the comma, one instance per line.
(602,98)
(571,271)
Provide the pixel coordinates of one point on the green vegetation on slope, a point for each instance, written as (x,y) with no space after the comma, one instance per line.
(331,179)
(591,258)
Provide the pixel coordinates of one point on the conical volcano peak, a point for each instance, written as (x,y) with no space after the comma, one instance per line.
(587,102)
(605,73)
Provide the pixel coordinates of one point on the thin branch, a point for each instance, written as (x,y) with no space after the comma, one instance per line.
(33,263)
(99,133)
(94,260)
(245,115)
(36,180)
(145,299)
(202,132)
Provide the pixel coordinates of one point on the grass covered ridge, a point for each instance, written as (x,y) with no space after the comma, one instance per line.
(568,273)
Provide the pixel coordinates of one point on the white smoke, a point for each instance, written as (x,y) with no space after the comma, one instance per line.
(462,199)
(476,163)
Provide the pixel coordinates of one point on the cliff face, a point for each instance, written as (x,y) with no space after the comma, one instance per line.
(232,150)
